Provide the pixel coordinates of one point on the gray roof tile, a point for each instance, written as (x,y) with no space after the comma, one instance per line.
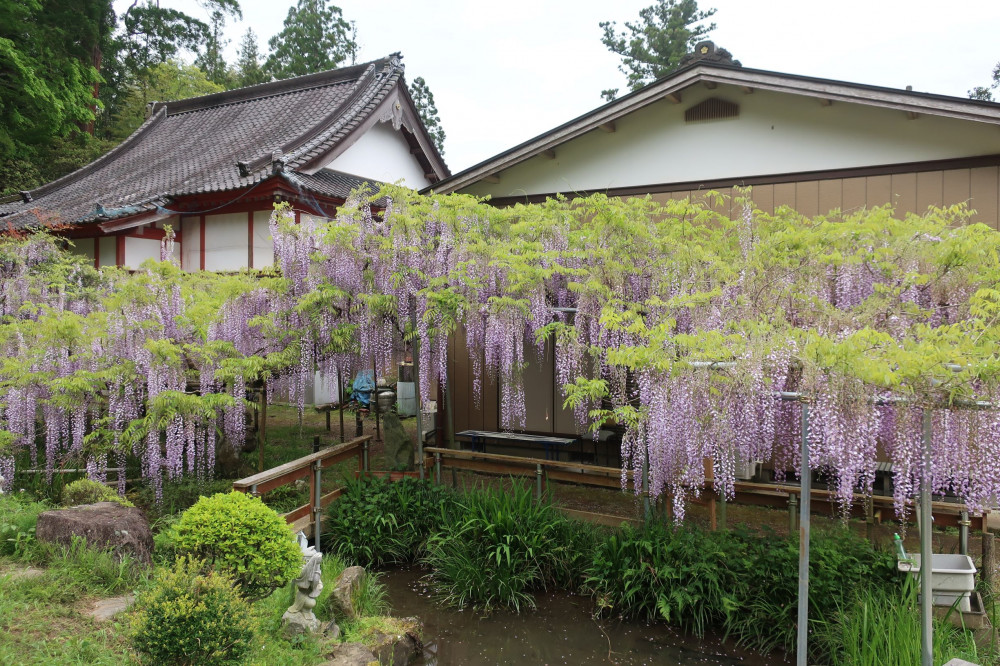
(192,146)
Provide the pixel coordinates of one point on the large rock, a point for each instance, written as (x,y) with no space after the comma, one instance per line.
(400,645)
(398,445)
(350,654)
(343,590)
(124,530)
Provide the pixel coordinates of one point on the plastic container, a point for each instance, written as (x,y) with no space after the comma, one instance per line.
(953,578)
(406,396)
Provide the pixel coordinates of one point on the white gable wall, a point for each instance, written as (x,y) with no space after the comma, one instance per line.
(775,133)
(383,154)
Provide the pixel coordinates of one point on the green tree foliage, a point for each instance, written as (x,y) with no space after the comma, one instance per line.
(46,79)
(985,93)
(423,98)
(655,44)
(165,82)
(315,37)
(249,68)
(211,60)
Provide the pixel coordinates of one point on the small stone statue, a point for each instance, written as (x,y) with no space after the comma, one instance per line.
(299,618)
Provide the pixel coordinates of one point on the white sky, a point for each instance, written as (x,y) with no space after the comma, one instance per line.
(504,71)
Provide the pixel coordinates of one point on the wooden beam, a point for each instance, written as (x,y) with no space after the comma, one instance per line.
(912,115)
(711,85)
(549,153)
(492,178)
(747,90)
(825,102)
(674,97)
(608,127)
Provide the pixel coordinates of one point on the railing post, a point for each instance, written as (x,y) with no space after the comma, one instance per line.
(538,482)
(793,506)
(317,493)
(963,532)
(253,490)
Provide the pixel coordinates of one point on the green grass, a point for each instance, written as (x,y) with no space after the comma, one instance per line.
(881,628)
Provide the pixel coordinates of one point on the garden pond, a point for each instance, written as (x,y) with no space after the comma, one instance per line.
(561,630)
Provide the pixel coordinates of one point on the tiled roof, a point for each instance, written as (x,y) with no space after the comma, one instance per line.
(215,143)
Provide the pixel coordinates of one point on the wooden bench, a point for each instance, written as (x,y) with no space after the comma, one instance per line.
(552,445)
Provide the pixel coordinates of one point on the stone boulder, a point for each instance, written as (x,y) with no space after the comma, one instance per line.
(104,525)
(350,654)
(399,646)
(398,445)
(343,590)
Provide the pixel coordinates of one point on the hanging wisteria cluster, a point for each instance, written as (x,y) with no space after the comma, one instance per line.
(680,325)
(684,327)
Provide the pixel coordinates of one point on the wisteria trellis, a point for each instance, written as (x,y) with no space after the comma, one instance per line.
(855,311)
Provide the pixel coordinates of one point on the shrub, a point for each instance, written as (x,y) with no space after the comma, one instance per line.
(239,536)
(188,617)
(85,491)
(375,522)
(498,548)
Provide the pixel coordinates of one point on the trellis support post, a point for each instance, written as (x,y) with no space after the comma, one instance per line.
(963,532)
(802,648)
(926,559)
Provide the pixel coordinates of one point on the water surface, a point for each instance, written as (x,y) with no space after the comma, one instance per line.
(560,631)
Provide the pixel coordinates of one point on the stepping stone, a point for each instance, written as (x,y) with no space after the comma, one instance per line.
(105,609)
(28,572)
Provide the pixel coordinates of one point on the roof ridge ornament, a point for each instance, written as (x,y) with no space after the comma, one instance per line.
(707,51)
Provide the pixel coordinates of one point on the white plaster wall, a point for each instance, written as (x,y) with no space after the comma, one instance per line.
(775,133)
(138,250)
(108,250)
(263,244)
(381,153)
(191,248)
(84,246)
(226,242)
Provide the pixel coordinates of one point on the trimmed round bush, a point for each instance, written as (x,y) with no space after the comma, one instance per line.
(85,491)
(239,536)
(189,617)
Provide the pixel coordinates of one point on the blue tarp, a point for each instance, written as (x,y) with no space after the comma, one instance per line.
(364,387)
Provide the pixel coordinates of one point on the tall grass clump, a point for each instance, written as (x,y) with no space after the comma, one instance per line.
(18,518)
(766,589)
(879,627)
(375,522)
(497,549)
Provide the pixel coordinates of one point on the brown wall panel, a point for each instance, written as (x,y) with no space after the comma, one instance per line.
(983,190)
(490,404)
(956,186)
(784,195)
(930,190)
(763,196)
(831,195)
(854,194)
(461,384)
(904,193)
(879,190)
(807,198)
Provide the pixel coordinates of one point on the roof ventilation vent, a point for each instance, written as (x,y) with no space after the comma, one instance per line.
(712,108)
